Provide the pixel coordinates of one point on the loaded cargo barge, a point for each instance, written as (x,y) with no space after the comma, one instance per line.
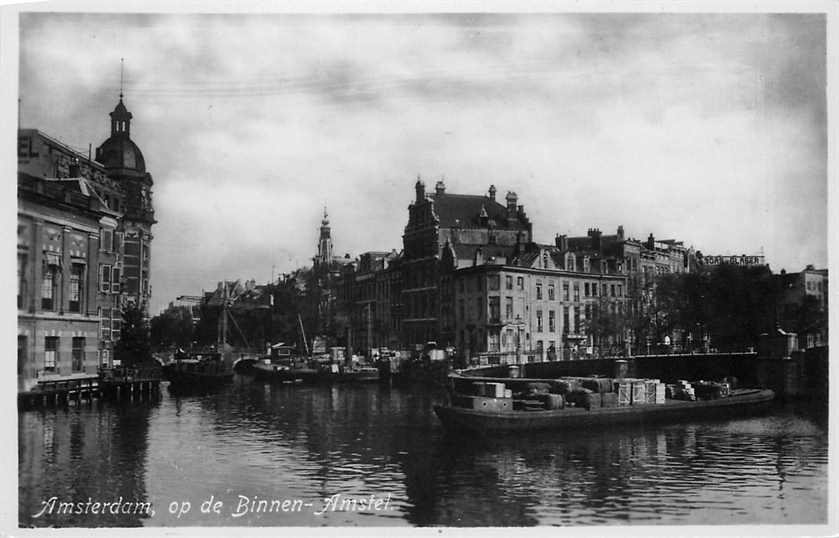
(498,405)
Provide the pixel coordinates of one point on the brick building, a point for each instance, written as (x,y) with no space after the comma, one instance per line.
(84,231)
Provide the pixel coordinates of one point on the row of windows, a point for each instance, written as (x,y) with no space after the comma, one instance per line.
(109,282)
(51,357)
(591,289)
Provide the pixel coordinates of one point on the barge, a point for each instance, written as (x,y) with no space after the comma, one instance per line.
(507,405)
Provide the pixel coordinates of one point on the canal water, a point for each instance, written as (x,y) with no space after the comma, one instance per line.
(210,460)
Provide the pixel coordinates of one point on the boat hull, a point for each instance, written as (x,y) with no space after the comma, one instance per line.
(284,375)
(745,402)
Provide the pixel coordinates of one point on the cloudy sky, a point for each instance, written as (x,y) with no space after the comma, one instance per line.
(709,129)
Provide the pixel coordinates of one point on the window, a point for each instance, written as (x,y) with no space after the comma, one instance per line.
(552,321)
(508,281)
(538,321)
(594,289)
(105,357)
(494,282)
(604,290)
(106,240)
(78,353)
(116,325)
(565,291)
(539,291)
(508,307)
(479,303)
(118,236)
(49,289)
(21,353)
(576,291)
(495,309)
(105,278)
(520,282)
(21,279)
(551,292)
(105,323)
(576,319)
(612,287)
(494,341)
(50,353)
(115,280)
(620,290)
(76,287)
(565,320)
(587,290)
(539,346)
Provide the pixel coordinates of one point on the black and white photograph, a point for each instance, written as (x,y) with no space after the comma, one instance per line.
(446,266)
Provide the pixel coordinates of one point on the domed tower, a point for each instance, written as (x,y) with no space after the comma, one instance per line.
(126,166)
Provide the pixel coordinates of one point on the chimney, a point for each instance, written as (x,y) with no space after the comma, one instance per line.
(440,188)
(492,192)
(594,234)
(561,242)
(420,188)
(620,233)
(511,204)
(75,169)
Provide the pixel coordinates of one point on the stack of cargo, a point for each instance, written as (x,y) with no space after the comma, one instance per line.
(659,393)
(623,388)
(711,390)
(489,390)
(682,390)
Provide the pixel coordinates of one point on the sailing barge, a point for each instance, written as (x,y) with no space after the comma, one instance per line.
(506,405)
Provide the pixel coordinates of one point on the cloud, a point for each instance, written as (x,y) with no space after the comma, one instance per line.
(705,128)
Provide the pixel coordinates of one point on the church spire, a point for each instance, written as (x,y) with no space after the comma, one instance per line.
(324,255)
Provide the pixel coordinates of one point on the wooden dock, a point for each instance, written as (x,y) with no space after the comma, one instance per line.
(116,384)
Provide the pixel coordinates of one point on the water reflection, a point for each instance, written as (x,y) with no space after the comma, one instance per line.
(77,454)
(291,442)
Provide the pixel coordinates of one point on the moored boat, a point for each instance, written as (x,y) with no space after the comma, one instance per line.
(495,409)
(197,372)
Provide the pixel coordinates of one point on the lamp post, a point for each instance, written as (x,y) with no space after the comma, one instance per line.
(518,325)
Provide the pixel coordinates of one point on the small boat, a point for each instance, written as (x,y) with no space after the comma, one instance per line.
(280,371)
(197,372)
(355,374)
(281,366)
(203,371)
(497,411)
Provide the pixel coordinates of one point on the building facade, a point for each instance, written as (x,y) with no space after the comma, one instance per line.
(84,231)
(542,304)
(472,227)
(804,305)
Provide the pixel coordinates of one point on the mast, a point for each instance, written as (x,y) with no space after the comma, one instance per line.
(222,333)
(303,334)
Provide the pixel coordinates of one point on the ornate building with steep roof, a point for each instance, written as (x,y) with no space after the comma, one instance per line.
(84,236)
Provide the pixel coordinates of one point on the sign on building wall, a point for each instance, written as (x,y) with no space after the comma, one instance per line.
(734,260)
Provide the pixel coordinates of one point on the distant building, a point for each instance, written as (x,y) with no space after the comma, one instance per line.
(369,300)
(641,261)
(804,305)
(84,236)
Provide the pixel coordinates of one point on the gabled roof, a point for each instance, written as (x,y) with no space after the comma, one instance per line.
(466,209)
